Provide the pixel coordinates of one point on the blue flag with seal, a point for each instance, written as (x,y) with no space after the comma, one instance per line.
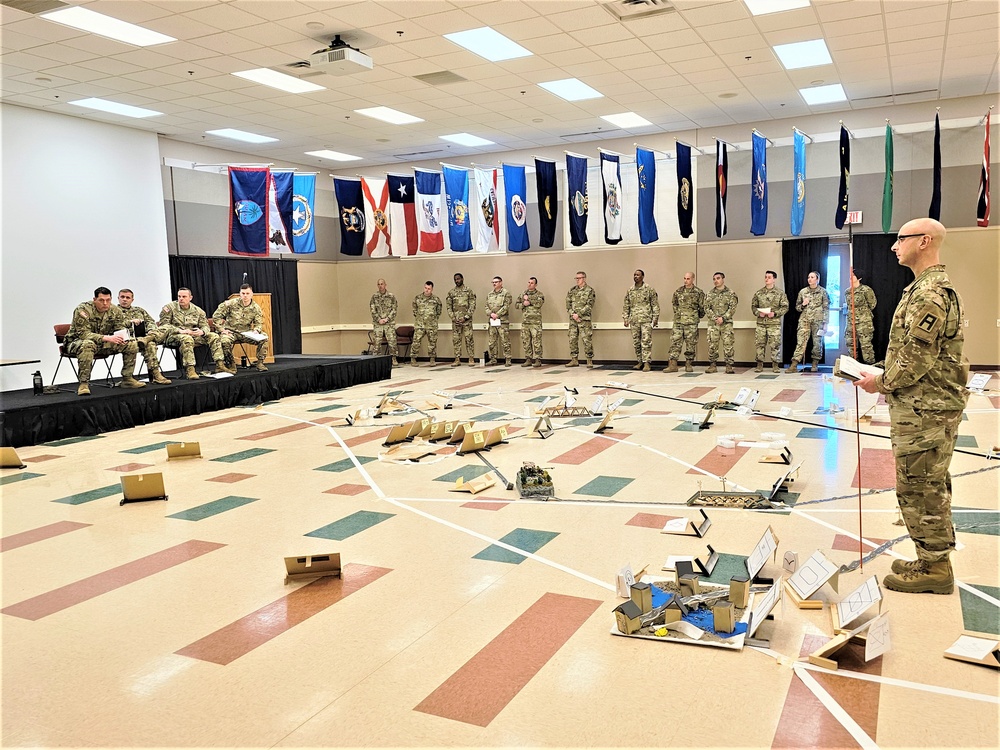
(685,193)
(303,198)
(351,202)
(758,194)
(515,190)
(248,210)
(548,201)
(798,182)
(576,181)
(645,165)
(456,194)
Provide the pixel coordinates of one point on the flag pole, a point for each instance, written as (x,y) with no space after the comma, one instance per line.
(849,130)
(573,153)
(693,148)
(983,118)
(804,134)
(857,402)
(665,154)
(757,132)
(733,146)
(453,166)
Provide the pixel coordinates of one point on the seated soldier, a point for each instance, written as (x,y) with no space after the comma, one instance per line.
(234,318)
(151,336)
(188,328)
(96,330)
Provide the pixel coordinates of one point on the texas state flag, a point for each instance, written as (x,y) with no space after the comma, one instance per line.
(429,211)
(403,234)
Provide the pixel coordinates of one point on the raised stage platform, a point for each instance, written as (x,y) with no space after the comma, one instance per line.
(27,419)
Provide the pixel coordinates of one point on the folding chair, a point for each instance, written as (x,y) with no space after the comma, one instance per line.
(404,337)
(60,331)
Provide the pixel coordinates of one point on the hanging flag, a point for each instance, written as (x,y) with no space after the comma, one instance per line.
(645,165)
(758,193)
(983,205)
(548,201)
(798,182)
(248,188)
(887,184)
(403,234)
(279,212)
(721,187)
(515,188)
(845,178)
(685,193)
(376,193)
(456,194)
(352,215)
(576,182)
(611,178)
(303,198)
(934,211)
(429,210)
(487,222)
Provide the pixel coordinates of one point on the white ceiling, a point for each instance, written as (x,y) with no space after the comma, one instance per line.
(671,68)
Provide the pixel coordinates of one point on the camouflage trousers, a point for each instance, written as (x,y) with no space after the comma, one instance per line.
(531,340)
(186,343)
(767,338)
(808,329)
(498,341)
(388,331)
(229,339)
(686,334)
(85,350)
(147,345)
(863,340)
(721,335)
(923,442)
(462,333)
(642,339)
(581,332)
(419,333)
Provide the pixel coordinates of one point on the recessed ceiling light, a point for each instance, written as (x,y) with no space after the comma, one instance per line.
(488,43)
(280,81)
(115,108)
(314,25)
(465,139)
(102,25)
(571,89)
(333,155)
(824,94)
(389,115)
(803,54)
(627,120)
(763,7)
(241,135)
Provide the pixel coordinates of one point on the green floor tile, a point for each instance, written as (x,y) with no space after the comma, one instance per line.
(470,471)
(489,416)
(345,463)
(977,613)
(70,441)
(213,508)
(622,372)
(20,477)
(816,433)
(243,455)
(555,372)
(581,421)
(604,486)
(91,495)
(536,399)
(772,376)
(529,540)
(466,396)
(966,441)
(631,401)
(686,427)
(331,407)
(691,374)
(150,448)
(979,522)
(350,525)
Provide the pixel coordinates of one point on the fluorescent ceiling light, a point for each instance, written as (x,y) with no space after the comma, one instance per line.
(112,28)
(763,7)
(276,80)
(386,114)
(116,108)
(824,94)
(627,120)
(333,155)
(488,43)
(571,89)
(241,135)
(465,139)
(803,54)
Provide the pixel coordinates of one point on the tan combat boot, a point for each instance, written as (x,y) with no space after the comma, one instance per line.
(759,367)
(507,363)
(413,362)
(259,365)
(590,364)
(645,367)
(711,368)
(730,370)
(903,566)
(815,367)
(671,366)
(457,362)
(433,362)
(190,373)
(131,382)
(538,363)
(924,578)
(472,361)
(688,366)
(394,362)
(83,389)
(156,376)
(637,366)
(574,362)
(775,367)
(526,363)
(221,366)
(793,367)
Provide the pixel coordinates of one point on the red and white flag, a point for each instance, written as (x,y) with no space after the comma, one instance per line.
(402,216)
(429,210)
(376,194)
(983,207)
(487,222)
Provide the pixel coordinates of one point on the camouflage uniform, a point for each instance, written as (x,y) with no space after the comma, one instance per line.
(461,305)
(689,308)
(924,383)
(642,311)
(383,305)
(767,335)
(860,320)
(85,339)
(531,325)
(815,317)
(721,303)
(154,335)
(426,311)
(232,319)
(174,318)
(580,300)
(499,336)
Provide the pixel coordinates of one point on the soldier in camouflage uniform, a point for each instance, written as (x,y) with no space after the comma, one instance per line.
(426,312)
(461,305)
(187,328)
(134,315)
(641,313)
(720,306)
(814,305)
(530,302)
(580,306)
(498,304)
(233,318)
(93,332)
(924,385)
(860,310)
(767,335)
(383,309)
(689,307)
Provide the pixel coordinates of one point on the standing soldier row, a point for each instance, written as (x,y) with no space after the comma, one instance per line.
(769,305)
(531,328)
(689,307)
(580,306)
(720,305)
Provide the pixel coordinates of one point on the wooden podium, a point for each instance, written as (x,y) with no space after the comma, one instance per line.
(264,300)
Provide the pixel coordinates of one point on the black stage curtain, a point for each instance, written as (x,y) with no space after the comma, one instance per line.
(798,258)
(212,280)
(876,265)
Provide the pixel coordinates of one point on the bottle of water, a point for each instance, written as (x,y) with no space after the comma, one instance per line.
(37,384)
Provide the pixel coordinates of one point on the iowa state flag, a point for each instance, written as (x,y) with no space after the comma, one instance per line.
(576,183)
(303,199)
(611,178)
(403,234)
(515,190)
(487,218)
(429,210)
(758,192)
(983,204)
(845,178)
(456,192)
(645,165)
(798,182)
(248,227)
(352,215)
(376,194)
(279,212)
(721,187)
(548,201)
(685,192)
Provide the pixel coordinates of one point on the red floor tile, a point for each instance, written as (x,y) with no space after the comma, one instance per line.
(877,469)
(649,520)
(366,438)
(465,386)
(277,431)
(847,544)
(347,489)
(128,467)
(13,541)
(231,477)
(212,423)
(789,395)
(39,459)
(538,387)
(719,462)
(588,450)
(483,505)
(697,392)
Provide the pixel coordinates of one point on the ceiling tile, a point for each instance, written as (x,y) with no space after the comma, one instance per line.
(583,17)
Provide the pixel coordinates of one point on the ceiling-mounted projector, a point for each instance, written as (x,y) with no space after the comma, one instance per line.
(340,59)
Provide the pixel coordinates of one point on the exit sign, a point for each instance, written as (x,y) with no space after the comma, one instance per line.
(853,217)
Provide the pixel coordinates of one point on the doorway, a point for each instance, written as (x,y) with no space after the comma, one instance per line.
(837,278)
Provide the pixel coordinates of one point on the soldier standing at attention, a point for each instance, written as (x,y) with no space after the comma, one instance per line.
(641,312)
(233,318)
(461,305)
(188,328)
(860,310)
(93,332)
(720,305)
(689,307)
(580,306)
(814,304)
(924,385)
(426,311)
(769,305)
(383,308)
(531,302)
(134,315)
(498,304)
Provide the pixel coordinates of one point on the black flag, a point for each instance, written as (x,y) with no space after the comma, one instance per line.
(685,195)
(934,211)
(721,187)
(845,177)
(548,201)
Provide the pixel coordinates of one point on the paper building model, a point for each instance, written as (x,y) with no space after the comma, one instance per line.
(627,616)
(642,595)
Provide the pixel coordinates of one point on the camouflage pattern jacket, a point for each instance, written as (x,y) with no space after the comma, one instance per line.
(533,310)
(689,305)
(499,303)
(818,309)
(580,300)
(383,306)
(426,311)
(461,303)
(641,305)
(773,298)
(135,312)
(863,303)
(194,317)
(721,303)
(236,316)
(90,325)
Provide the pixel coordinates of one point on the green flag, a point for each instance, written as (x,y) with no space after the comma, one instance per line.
(887,186)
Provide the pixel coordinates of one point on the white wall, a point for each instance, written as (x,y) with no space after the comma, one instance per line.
(82,207)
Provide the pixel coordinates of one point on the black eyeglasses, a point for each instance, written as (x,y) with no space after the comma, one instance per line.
(902,237)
